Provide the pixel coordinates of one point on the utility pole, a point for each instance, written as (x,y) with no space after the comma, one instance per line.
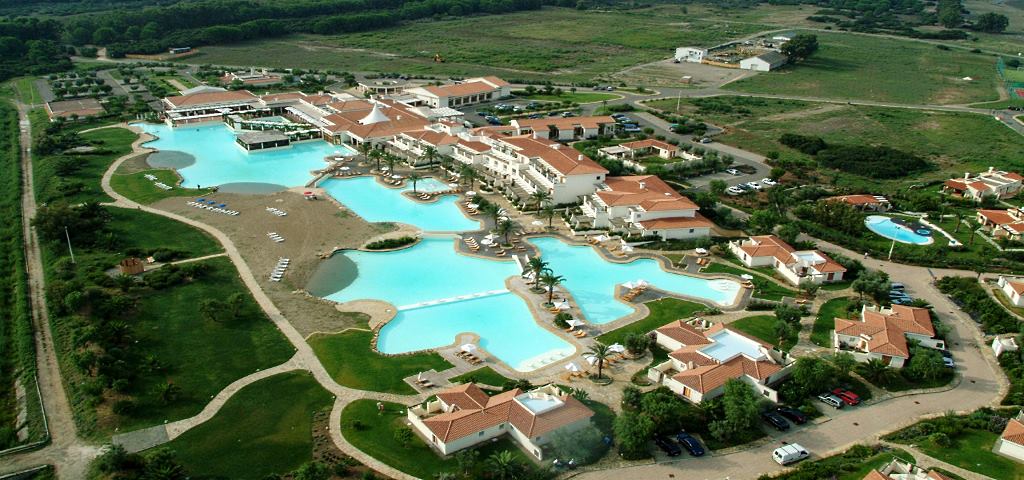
(70,251)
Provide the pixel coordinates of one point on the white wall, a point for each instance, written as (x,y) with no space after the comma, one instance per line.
(1009,449)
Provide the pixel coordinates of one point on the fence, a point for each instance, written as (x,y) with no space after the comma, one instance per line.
(1013,79)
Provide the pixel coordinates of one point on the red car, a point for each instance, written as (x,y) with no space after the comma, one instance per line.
(847,396)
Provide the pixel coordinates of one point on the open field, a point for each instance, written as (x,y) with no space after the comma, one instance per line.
(824,322)
(557,44)
(350,361)
(264,429)
(849,66)
(130,180)
(83,183)
(662,312)
(973,451)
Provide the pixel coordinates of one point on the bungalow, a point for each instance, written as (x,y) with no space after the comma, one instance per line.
(864,202)
(703,360)
(643,205)
(993,183)
(1002,223)
(468,92)
(795,266)
(1013,287)
(898,469)
(564,128)
(1011,441)
(464,416)
(885,334)
(764,62)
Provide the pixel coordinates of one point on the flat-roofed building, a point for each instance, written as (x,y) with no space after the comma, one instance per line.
(565,128)
(79,108)
(262,140)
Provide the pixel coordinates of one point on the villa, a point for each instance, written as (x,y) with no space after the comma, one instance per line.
(1002,223)
(864,202)
(898,469)
(1013,287)
(565,128)
(795,266)
(468,92)
(703,360)
(1011,441)
(464,416)
(644,205)
(993,183)
(643,148)
(886,334)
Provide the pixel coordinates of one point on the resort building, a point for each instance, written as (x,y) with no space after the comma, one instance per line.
(885,334)
(864,202)
(1002,223)
(355,122)
(645,148)
(898,469)
(464,416)
(993,183)
(80,108)
(565,128)
(468,92)
(1013,287)
(796,266)
(1011,441)
(252,78)
(439,136)
(703,360)
(209,106)
(262,140)
(641,205)
(384,86)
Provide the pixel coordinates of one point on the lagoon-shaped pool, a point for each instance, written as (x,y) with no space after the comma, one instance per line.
(218,160)
(887,228)
(377,203)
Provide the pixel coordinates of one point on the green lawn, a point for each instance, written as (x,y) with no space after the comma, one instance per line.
(350,361)
(762,327)
(168,323)
(484,375)
(264,429)
(26,89)
(373,433)
(973,451)
(1005,302)
(662,312)
(84,184)
(824,323)
(136,187)
(763,287)
(848,66)
(137,230)
(578,97)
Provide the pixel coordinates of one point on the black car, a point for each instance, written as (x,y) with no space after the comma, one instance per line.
(775,420)
(792,414)
(946,353)
(668,446)
(691,444)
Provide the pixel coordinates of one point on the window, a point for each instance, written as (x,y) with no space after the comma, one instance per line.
(501,427)
(480,434)
(691,230)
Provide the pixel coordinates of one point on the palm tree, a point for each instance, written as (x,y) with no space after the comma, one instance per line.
(601,353)
(429,154)
(540,197)
(446,162)
(538,266)
(124,282)
(414,177)
(365,148)
(549,213)
(550,281)
(505,228)
(491,211)
(503,464)
(959,218)
(375,155)
(468,174)
(390,159)
(877,371)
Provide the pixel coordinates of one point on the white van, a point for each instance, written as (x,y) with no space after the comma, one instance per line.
(790,453)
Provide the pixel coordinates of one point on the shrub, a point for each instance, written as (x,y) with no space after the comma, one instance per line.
(390,243)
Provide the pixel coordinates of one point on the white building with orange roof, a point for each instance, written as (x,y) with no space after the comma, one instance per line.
(464,416)
(992,183)
(467,92)
(1011,441)
(1013,287)
(355,122)
(886,333)
(643,148)
(873,203)
(1002,223)
(565,128)
(644,205)
(536,164)
(441,136)
(702,361)
(210,106)
(794,265)
(898,469)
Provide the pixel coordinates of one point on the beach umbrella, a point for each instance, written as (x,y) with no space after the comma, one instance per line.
(628,285)
(601,238)
(572,367)
(642,283)
(747,276)
(346,169)
(563,306)
(616,348)
(487,241)
(468,348)
(575,323)
(627,249)
(470,193)
(490,236)
(473,206)
(537,223)
(453,184)
(591,359)
(396,176)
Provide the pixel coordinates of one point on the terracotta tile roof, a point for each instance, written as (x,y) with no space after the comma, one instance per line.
(536,425)
(887,332)
(998,217)
(464,396)
(655,194)
(1013,176)
(211,98)
(460,89)
(683,333)
(876,475)
(561,123)
(649,143)
(475,146)
(565,160)
(706,378)
(431,137)
(956,184)
(860,199)
(1014,432)
(350,112)
(1016,286)
(696,221)
(768,246)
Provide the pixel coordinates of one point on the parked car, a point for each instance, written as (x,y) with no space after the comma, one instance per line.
(494,121)
(536,115)
(948,362)
(794,415)
(1014,108)
(734,191)
(847,396)
(775,420)
(624,119)
(669,447)
(609,88)
(769,182)
(618,115)
(705,140)
(568,114)
(831,400)
(690,443)
(632,129)
(946,353)
(753,185)
(790,453)
(733,171)
(897,286)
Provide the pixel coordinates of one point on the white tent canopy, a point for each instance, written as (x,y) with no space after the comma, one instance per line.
(575,323)
(572,367)
(468,348)
(616,347)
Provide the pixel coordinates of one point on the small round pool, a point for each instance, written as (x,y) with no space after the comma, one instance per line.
(892,230)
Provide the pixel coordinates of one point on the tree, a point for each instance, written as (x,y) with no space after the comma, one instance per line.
(466,460)
(468,175)
(124,282)
(788,314)
(637,343)
(505,228)
(163,466)
(762,222)
(429,154)
(236,306)
(740,411)
(925,363)
(789,232)
(210,309)
(549,213)
(584,445)
(549,280)
(312,471)
(169,393)
(504,465)
(717,188)
(633,431)
(876,371)
(782,331)
(403,435)
(537,265)
(390,159)
(631,397)
(414,178)
(491,211)
(874,284)
(800,47)
(601,352)
(991,23)
(539,198)
(844,362)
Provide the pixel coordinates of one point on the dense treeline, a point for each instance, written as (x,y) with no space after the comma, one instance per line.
(31,46)
(17,355)
(866,160)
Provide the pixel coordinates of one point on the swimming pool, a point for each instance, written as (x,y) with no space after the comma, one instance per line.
(377,203)
(219,161)
(431,271)
(885,227)
(592,280)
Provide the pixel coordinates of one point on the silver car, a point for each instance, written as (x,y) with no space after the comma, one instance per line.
(831,400)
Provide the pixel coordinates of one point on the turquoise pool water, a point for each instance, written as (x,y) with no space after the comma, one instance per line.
(885,227)
(377,203)
(431,271)
(592,280)
(219,161)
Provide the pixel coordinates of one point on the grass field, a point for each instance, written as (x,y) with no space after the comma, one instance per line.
(662,312)
(764,288)
(350,361)
(147,231)
(849,66)
(578,97)
(136,187)
(557,44)
(762,327)
(84,184)
(169,323)
(484,375)
(266,428)
(824,323)
(973,451)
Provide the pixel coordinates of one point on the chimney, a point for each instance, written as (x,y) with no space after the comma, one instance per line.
(967,175)
(991,169)
(689,365)
(579,157)
(643,185)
